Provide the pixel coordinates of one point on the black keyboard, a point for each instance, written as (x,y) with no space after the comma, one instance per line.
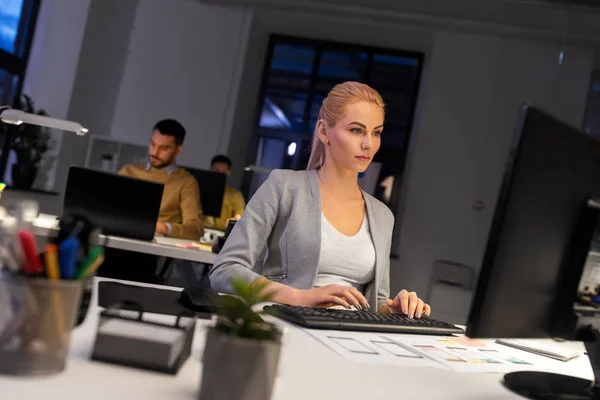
(322,318)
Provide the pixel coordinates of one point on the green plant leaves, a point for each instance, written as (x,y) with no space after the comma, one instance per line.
(235,309)
(251,294)
(236,316)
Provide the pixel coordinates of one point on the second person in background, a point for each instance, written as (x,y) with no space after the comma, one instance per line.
(314,237)
(233,201)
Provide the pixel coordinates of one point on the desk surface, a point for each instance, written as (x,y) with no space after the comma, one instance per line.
(307,370)
(166,247)
(47,225)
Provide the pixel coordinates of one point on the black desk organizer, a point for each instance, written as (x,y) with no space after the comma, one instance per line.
(150,299)
(185,321)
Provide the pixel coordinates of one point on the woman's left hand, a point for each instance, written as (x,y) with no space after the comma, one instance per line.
(408,303)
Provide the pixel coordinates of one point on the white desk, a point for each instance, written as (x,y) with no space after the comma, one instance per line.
(166,248)
(47,225)
(307,370)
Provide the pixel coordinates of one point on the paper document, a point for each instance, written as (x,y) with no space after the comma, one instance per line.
(181,243)
(458,354)
(469,355)
(370,347)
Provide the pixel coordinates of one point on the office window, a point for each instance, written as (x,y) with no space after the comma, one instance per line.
(592,117)
(298,75)
(17,21)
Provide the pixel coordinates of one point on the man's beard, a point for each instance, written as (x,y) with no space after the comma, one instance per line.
(159,164)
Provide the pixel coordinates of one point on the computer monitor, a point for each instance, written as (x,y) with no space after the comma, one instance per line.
(543,225)
(119,205)
(212,190)
(252,179)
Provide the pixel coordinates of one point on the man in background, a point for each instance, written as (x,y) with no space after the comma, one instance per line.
(233,201)
(180,213)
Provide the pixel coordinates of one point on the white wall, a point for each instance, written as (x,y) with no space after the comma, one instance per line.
(52,67)
(243,115)
(101,63)
(54,54)
(184,62)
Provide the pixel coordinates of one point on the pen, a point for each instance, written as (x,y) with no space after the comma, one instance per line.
(51,258)
(56,298)
(32,264)
(90,263)
(93,267)
(68,251)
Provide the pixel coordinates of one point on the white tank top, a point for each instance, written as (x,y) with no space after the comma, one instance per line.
(345,260)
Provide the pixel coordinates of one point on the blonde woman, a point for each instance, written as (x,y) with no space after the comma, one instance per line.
(314,236)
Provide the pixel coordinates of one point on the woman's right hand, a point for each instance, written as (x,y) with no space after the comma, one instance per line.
(332,294)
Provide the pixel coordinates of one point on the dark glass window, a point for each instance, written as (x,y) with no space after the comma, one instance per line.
(17,22)
(300,73)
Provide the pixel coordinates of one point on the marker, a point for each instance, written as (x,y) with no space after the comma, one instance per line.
(33,266)
(51,258)
(90,263)
(56,298)
(93,266)
(68,251)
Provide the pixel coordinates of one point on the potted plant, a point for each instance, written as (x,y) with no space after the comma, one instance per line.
(30,143)
(241,355)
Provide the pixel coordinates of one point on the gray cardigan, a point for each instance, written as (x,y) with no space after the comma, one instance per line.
(279,237)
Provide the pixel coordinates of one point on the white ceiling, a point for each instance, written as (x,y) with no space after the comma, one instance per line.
(533,19)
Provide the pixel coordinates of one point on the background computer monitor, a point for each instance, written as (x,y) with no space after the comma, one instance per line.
(120,205)
(253,178)
(543,225)
(212,190)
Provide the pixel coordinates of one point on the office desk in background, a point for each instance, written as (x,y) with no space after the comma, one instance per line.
(46,225)
(308,370)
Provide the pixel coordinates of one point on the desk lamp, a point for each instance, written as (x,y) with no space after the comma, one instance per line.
(17,117)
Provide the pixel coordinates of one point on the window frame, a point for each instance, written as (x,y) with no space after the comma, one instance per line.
(16,63)
(321,45)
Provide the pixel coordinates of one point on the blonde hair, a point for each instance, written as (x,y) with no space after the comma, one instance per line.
(333,109)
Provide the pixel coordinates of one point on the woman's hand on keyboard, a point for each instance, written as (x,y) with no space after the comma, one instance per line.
(332,294)
(407,303)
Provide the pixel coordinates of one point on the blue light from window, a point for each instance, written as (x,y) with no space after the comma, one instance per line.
(291,149)
(384,58)
(10,13)
(293,58)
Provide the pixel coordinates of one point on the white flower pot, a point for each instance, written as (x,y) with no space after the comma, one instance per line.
(238,368)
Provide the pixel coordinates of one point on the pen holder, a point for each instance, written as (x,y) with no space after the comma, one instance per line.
(36,319)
